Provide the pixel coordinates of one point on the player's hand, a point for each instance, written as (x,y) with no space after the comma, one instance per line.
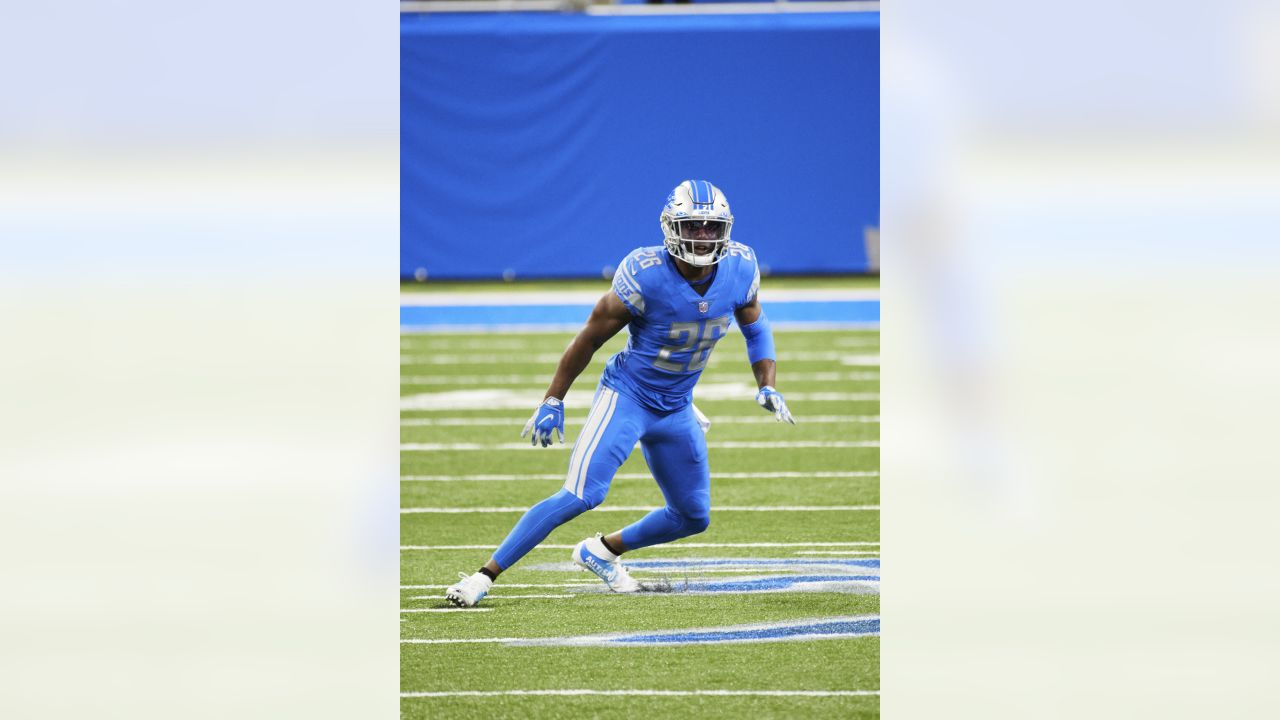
(771,400)
(549,416)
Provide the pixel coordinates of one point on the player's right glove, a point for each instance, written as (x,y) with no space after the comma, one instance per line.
(549,416)
(771,400)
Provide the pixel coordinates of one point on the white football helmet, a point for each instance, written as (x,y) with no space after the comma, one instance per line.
(696,222)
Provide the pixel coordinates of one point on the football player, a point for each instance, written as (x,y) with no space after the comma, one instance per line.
(678,300)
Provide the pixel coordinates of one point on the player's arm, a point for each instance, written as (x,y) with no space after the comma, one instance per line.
(607,318)
(760,353)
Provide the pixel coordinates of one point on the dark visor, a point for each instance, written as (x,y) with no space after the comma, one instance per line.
(701,229)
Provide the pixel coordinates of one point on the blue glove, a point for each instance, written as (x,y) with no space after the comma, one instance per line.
(772,401)
(549,416)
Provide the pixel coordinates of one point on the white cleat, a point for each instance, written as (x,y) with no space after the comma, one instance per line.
(469,590)
(591,554)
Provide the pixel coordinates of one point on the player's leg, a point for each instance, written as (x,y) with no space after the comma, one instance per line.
(589,478)
(604,443)
(676,452)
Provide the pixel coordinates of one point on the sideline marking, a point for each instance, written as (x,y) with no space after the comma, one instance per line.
(669,546)
(670,693)
(446,610)
(646,476)
(722,445)
(647,508)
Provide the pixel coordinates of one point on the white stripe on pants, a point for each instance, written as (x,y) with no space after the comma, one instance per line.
(585,446)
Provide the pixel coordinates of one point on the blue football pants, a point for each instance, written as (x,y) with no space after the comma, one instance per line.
(675,450)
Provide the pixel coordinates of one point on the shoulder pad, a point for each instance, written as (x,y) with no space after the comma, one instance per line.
(627,279)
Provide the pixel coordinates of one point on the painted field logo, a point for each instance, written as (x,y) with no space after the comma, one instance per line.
(826,628)
(747,575)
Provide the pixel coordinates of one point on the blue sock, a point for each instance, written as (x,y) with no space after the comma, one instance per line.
(536,525)
(662,525)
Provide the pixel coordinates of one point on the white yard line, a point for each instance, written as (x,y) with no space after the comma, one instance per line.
(573,327)
(448,641)
(643,476)
(491,596)
(479,358)
(543,379)
(452,380)
(722,445)
(431,343)
(647,508)
(722,420)
(466,359)
(560,585)
(590,297)
(861,341)
(661,693)
(837,552)
(670,546)
(498,329)
(444,610)
(522,399)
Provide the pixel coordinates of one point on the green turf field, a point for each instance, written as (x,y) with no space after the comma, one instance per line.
(465,452)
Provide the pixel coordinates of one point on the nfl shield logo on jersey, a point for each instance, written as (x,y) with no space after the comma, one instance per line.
(702,306)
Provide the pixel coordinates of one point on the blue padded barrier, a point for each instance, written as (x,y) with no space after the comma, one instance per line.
(544,145)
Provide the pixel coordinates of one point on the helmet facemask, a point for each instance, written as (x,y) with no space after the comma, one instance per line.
(696,222)
(698,241)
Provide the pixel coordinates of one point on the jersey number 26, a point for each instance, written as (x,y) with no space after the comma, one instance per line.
(699,336)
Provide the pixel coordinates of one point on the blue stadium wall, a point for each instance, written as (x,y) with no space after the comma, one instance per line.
(544,145)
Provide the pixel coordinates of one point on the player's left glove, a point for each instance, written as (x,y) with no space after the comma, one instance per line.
(549,416)
(771,400)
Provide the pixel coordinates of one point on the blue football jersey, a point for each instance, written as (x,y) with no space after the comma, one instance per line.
(673,329)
